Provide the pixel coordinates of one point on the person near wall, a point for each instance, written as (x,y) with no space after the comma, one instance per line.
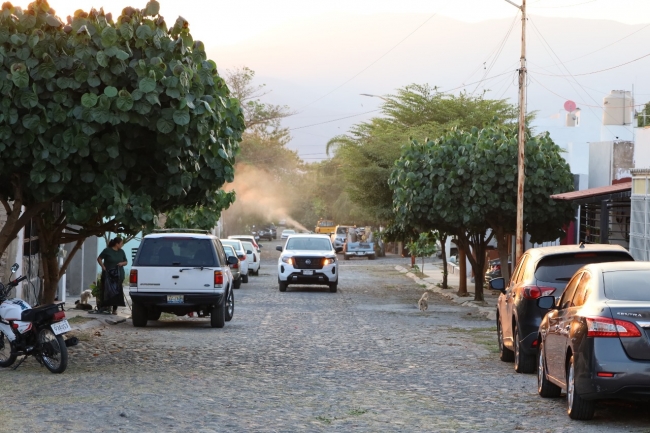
(112,260)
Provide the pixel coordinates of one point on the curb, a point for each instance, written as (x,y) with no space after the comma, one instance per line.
(488,312)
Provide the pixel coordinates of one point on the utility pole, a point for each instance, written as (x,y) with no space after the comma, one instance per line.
(521,161)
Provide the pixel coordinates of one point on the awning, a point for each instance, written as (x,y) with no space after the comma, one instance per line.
(593,195)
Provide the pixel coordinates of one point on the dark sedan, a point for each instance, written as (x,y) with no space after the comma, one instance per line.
(595,341)
(540,272)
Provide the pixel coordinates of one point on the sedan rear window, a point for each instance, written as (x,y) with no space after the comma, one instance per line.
(560,268)
(176,252)
(309,244)
(627,285)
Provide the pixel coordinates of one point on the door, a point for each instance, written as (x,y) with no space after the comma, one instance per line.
(507,312)
(555,342)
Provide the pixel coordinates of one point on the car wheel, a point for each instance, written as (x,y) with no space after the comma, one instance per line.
(577,407)
(218,315)
(153,314)
(334,287)
(230,306)
(237,283)
(505,354)
(545,388)
(371,257)
(139,315)
(523,363)
(283,286)
(244,278)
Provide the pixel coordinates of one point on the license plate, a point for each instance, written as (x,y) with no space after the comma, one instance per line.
(61,327)
(175,299)
(308,272)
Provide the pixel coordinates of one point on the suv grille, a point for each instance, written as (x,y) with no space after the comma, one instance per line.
(309,262)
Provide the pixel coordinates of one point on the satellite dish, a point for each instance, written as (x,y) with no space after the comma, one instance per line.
(570,106)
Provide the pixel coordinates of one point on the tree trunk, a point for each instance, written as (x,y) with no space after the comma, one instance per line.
(49,248)
(502,248)
(462,267)
(443,242)
(477,243)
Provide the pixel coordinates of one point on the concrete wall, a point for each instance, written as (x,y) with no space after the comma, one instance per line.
(642,148)
(609,161)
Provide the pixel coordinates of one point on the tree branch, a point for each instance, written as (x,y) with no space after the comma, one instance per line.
(68,259)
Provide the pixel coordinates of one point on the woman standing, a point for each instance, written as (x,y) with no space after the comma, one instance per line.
(112,260)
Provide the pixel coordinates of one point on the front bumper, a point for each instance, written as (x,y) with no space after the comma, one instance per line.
(328,274)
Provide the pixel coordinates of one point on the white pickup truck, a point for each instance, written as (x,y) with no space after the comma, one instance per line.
(181,272)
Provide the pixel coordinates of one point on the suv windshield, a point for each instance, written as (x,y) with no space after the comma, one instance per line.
(627,285)
(555,269)
(341,230)
(176,252)
(310,244)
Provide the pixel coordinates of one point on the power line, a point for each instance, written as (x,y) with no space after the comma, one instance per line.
(563,6)
(599,71)
(373,63)
(334,120)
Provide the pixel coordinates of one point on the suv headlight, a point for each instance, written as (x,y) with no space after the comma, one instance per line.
(329,261)
(288,260)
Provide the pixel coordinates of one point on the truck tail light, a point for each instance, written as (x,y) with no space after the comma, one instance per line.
(534,292)
(604,327)
(133,277)
(218,279)
(242,257)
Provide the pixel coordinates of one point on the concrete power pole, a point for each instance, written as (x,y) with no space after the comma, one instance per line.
(521,163)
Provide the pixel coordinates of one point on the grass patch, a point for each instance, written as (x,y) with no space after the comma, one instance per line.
(324,419)
(357,411)
(79,319)
(168,316)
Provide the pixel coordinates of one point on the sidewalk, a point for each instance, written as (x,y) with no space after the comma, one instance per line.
(433,281)
(82,319)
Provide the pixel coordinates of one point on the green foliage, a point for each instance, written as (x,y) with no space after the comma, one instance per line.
(200,217)
(110,120)
(367,154)
(424,246)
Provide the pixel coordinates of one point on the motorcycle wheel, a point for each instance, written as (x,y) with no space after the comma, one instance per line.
(6,357)
(52,350)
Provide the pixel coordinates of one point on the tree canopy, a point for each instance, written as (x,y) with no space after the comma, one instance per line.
(119,120)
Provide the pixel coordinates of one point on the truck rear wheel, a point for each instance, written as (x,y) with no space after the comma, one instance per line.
(139,315)
(218,315)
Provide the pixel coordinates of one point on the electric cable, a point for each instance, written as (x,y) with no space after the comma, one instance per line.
(334,120)
(599,71)
(374,62)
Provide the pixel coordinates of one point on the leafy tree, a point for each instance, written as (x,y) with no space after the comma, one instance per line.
(464,184)
(117,120)
(199,217)
(424,246)
(367,154)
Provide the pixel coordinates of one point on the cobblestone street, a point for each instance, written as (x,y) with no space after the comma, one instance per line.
(363,359)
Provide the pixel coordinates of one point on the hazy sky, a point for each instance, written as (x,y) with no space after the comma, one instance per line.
(219,22)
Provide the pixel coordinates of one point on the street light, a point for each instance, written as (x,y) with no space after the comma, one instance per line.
(521,162)
(374,96)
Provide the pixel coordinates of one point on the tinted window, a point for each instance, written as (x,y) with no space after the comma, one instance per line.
(176,252)
(557,269)
(311,244)
(230,251)
(341,230)
(567,296)
(519,271)
(627,285)
(582,291)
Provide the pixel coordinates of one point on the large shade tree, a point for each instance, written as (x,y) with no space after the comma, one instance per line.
(118,120)
(464,183)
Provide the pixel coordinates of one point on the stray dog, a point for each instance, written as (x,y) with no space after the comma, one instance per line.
(422,303)
(81,306)
(85,296)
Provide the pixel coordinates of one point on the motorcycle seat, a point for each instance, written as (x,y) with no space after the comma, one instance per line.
(39,313)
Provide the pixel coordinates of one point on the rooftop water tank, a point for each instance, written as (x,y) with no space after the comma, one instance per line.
(618,108)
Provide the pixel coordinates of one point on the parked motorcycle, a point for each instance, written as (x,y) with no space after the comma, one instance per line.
(38,331)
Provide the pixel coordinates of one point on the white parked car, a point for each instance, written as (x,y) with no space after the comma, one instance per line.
(254,257)
(287,232)
(247,238)
(308,259)
(181,272)
(244,260)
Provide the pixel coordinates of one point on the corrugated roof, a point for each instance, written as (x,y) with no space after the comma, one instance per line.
(593,192)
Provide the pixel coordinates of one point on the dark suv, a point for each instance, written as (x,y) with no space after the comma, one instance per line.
(540,272)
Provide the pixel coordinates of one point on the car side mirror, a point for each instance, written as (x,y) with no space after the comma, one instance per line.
(232,260)
(547,303)
(338,249)
(279,248)
(259,247)
(14,267)
(249,252)
(498,284)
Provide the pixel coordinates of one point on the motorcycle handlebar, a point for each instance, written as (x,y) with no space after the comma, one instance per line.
(18,280)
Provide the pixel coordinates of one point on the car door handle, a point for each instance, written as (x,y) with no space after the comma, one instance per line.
(174,276)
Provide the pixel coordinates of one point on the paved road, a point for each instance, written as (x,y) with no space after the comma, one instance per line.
(364,359)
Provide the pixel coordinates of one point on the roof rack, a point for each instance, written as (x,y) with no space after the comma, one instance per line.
(201,231)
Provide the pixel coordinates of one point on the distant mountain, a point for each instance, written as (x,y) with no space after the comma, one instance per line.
(303,61)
